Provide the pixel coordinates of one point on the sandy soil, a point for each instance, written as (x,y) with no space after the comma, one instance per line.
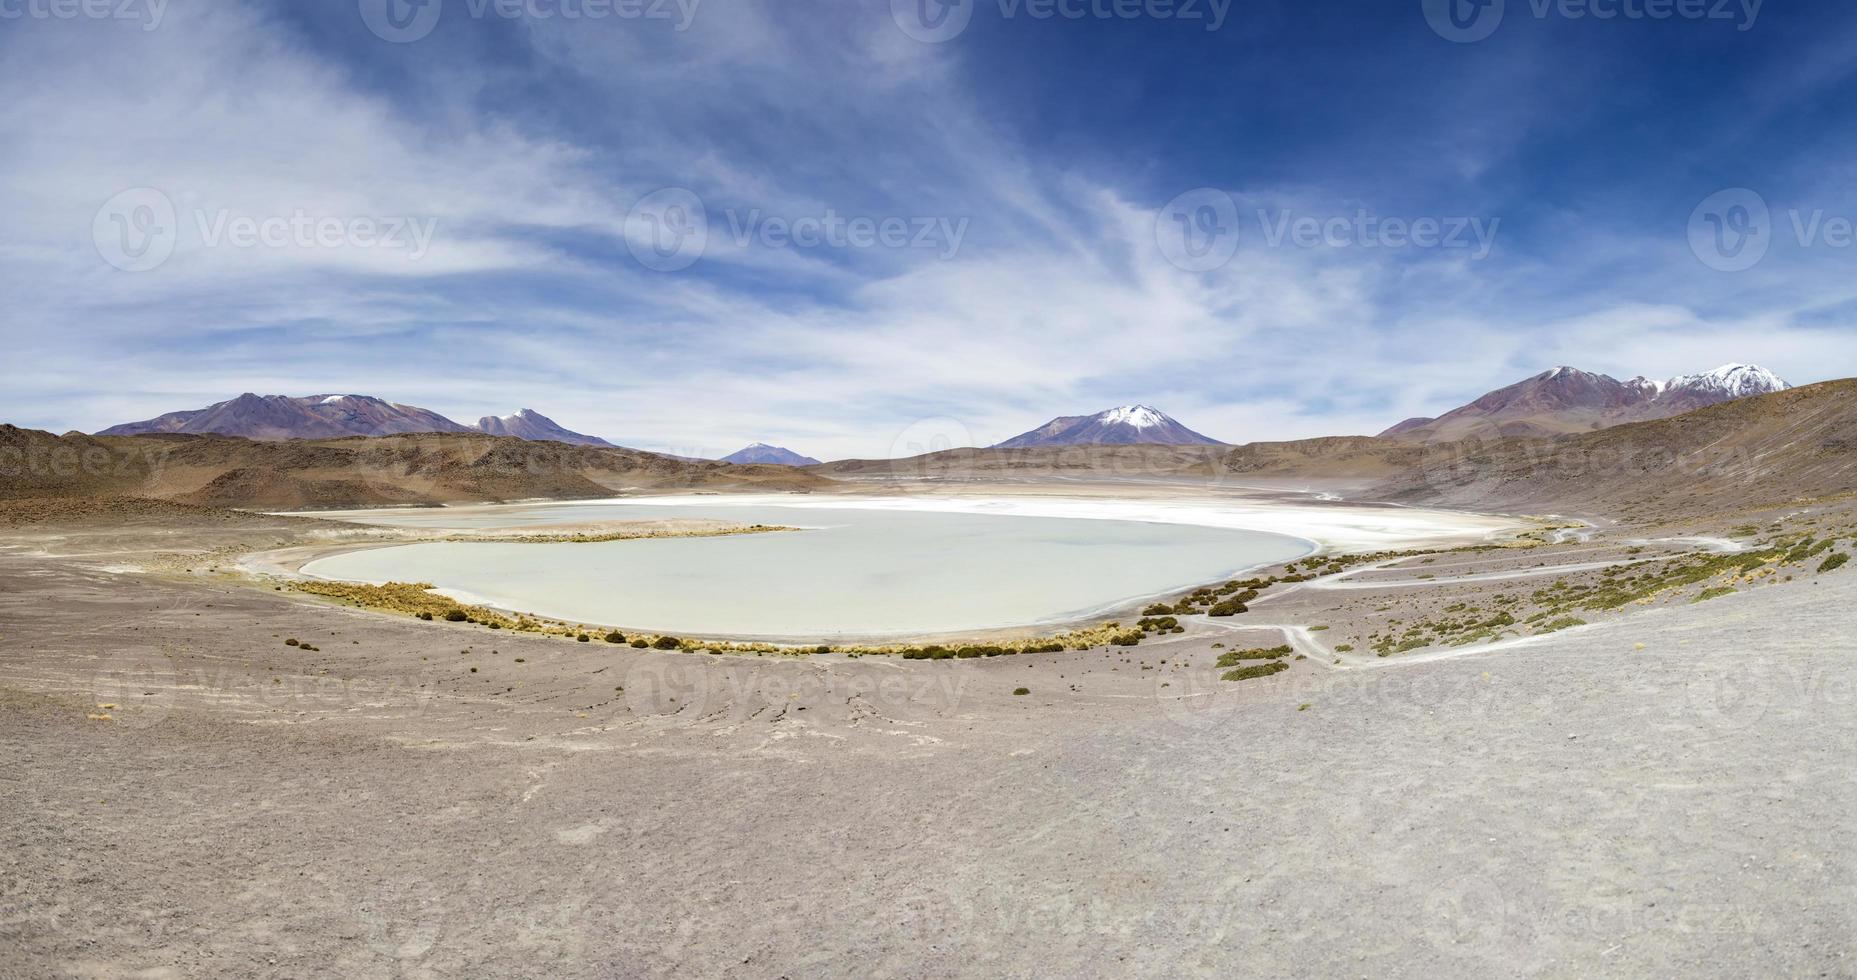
(1661,793)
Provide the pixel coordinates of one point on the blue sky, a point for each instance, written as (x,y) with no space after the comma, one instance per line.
(470,209)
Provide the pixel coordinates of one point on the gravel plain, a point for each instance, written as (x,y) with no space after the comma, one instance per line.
(1666,794)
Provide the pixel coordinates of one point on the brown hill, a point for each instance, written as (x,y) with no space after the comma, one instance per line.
(1791,445)
(1566,401)
(1338,458)
(424,468)
(1047,462)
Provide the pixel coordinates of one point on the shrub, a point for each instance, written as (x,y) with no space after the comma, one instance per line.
(426,616)
(1834,562)
(1228,607)
(1019,692)
(1158,609)
(1234,657)
(615,637)
(291,643)
(1261,670)
(456,616)
(668,643)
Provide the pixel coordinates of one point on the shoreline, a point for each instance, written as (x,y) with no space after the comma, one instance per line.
(1321,526)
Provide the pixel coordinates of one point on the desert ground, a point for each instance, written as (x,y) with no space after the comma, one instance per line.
(1660,788)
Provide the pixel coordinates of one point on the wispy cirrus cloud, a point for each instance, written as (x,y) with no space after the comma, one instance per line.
(527,143)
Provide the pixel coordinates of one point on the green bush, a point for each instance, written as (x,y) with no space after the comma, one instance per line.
(1234,657)
(426,616)
(1019,692)
(1834,562)
(583,638)
(1261,670)
(615,637)
(1228,607)
(668,643)
(456,616)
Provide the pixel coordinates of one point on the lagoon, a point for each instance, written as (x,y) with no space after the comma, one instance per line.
(851,573)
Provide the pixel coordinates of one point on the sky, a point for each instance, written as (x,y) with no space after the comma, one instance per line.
(865,228)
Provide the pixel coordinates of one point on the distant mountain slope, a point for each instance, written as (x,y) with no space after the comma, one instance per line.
(536,427)
(1566,400)
(420,469)
(283,417)
(1796,444)
(761,452)
(1130,425)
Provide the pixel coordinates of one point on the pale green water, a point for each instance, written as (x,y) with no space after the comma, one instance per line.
(852,574)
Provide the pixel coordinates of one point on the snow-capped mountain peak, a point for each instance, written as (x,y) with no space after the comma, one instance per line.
(1733,380)
(1128,425)
(1138,416)
(1565,399)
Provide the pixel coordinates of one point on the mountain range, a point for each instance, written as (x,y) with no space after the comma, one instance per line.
(1130,425)
(1561,401)
(1567,400)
